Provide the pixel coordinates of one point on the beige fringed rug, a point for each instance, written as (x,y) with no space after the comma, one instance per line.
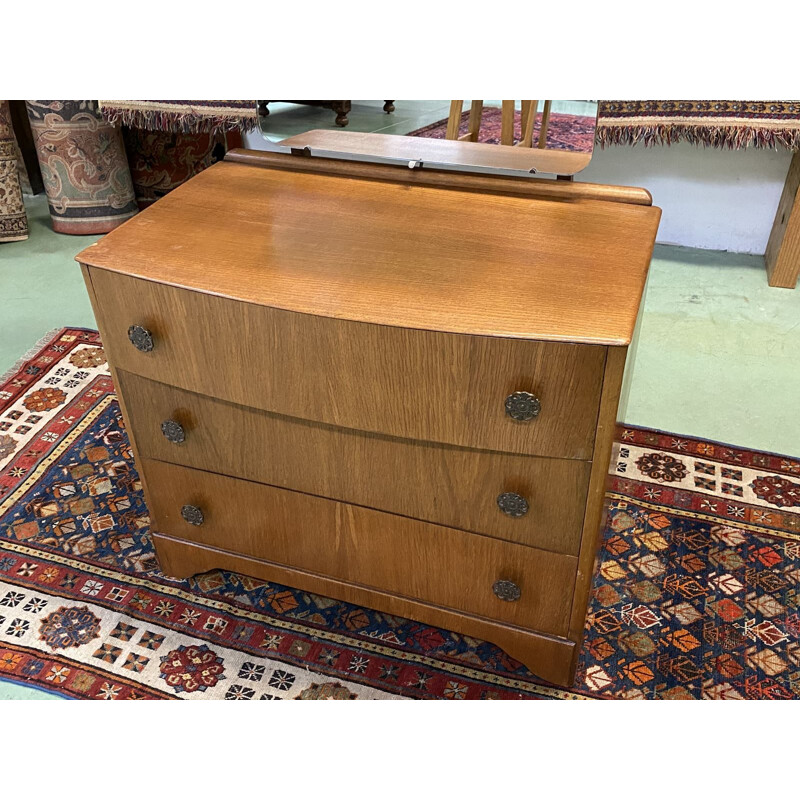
(181,116)
(729,124)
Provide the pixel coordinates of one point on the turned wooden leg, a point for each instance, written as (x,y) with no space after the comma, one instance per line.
(263,111)
(388,106)
(342,109)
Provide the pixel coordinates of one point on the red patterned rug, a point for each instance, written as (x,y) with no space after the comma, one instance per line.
(564,131)
(696,591)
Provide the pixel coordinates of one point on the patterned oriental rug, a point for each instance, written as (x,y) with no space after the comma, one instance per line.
(564,131)
(696,592)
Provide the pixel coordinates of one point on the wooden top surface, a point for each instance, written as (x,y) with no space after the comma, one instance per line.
(395,254)
(442,151)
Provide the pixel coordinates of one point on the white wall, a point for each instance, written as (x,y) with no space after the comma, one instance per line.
(711,199)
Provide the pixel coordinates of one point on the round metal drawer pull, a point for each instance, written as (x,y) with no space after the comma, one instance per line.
(173,431)
(507,590)
(513,504)
(523,406)
(193,515)
(141,338)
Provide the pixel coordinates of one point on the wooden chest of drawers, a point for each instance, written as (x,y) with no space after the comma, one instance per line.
(392,388)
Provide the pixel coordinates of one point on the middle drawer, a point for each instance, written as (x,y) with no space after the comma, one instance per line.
(438,483)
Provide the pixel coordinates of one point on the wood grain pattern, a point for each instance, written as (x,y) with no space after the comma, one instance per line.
(548,657)
(783,248)
(525,185)
(507,123)
(338,340)
(417,560)
(453,120)
(393,254)
(456,152)
(593,520)
(447,485)
(407,383)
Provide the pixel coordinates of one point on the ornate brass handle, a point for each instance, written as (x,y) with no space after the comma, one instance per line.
(507,590)
(193,515)
(141,338)
(513,504)
(523,406)
(173,431)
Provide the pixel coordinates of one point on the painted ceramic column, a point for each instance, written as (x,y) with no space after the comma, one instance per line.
(84,168)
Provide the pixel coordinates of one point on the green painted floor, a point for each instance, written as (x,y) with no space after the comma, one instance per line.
(718,353)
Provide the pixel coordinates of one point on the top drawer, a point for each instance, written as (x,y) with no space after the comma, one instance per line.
(410,383)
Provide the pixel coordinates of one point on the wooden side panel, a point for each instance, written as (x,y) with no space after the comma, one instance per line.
(87,278)
(548,657)
(593,521)
(402,382)
(418,560)
(783,248)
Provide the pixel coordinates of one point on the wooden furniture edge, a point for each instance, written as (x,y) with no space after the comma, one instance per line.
(549,658)
(438,153)
(598,481)
(138,460)
(448,179)
(782,256)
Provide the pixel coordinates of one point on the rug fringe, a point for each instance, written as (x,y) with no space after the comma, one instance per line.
(20,362)
(169,122)
(726,137)
(40,345)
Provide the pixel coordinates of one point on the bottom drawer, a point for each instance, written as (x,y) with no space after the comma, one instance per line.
(439,565)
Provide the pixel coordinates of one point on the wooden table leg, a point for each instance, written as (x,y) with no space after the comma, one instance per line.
(783,249)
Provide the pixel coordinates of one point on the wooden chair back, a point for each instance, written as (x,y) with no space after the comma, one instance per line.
(529,111)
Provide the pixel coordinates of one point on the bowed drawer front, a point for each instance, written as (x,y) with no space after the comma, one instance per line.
(410,383)
(342,378)
(520,585)
(439,483)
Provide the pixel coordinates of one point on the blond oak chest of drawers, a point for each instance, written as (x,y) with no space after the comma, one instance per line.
(394,388)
